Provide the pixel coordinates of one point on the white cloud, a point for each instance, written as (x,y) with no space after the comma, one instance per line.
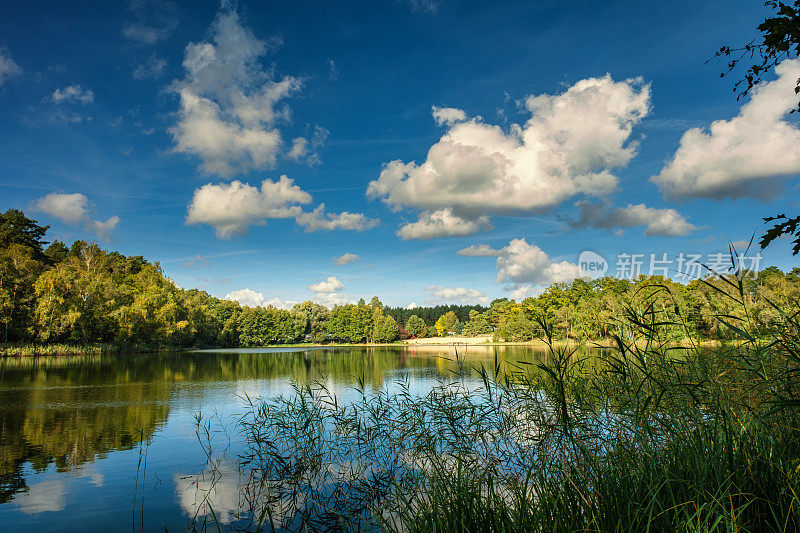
(153,21)
(198,261)
(318,220)
(231,208)
(525,291)
(447,116)
(229,102)
(346,259)
(479,250)
(329,299)
(72,94)
(152,67)
(332,284)
(412,305)
(569,146)
(523,263)
(251,298)
(328,292)
(657,222)
(246,297)
(299,149)
(281,304)
(744,156)
(442,223)
(74,209)
(305,151)
(459,295)
(8,67)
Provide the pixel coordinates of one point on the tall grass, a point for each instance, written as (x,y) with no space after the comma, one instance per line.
(647,436)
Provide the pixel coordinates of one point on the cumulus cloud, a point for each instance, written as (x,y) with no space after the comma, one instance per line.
(525,291)
(152,67)
(74,209)
(457,295)
(250,298)
(657,222)
(748,155)
(329,292)
(229,104)
(412,305)
(346,259)
(442,223)
(152,20)
(329,299)
(332,284)
(318,220)
(569,146)
(231,208)
(523,263)
(8,67)
(246,297)
(72,94)
(479,250)
(447,116)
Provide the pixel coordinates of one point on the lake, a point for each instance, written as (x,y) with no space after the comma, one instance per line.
(110,442)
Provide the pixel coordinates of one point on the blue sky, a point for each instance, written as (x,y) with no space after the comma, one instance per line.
(537,129)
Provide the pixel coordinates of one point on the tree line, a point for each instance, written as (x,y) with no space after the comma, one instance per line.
(83,294)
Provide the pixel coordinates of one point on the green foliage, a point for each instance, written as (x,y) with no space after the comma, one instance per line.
(386,329)
(446,322)
(780,39)
(416,326)
(309,321)
(259,326)
(430,314)
(478,324)
(361,323)
(16,228)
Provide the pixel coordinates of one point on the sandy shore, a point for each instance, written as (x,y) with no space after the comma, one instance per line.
(485,339)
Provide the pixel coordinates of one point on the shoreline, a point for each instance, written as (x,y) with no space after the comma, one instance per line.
(54,350)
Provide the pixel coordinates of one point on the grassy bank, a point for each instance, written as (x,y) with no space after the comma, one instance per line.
(53,349)
(647,435)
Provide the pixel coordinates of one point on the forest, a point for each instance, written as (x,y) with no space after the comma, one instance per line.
(54,294)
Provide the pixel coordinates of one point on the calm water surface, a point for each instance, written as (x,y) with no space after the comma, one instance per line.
(110,442)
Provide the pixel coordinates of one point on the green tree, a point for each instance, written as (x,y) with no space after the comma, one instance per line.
(16,228)
(446,322)
(416,326)
(309,321)
(19,269)
(386,329)
(478,324)
(77,298)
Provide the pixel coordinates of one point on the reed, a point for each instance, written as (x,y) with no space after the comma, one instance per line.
(650,435)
